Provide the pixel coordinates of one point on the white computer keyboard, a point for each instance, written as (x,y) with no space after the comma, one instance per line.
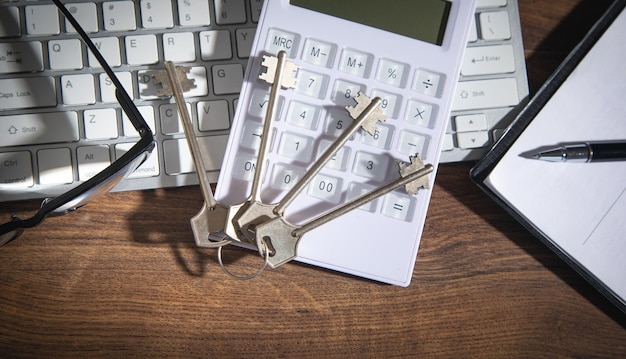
(60,124)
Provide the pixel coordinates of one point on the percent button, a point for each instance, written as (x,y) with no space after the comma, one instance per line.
(391,72)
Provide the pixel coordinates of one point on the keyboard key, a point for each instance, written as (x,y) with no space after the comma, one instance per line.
(215,45)
(244,38)
(149,168)
(481,94)
(213,115)
(488,60)
(16,170)
(107,88)
(194,13)
(469,123)
(147,112)
(119,15)
(78,89)
(230,12)
(92,160)
(490,3)
(472,139)
(179,47)
(178,157)
(141,50)
(21,57)
(495,25)
(170,122)
(109,47)
(38,128)
(28,92)
(100,124)
(227,79)
(86,15)
(10,20)
(255,7)
(42,19)
(55,166)
(156,14)
(65,54)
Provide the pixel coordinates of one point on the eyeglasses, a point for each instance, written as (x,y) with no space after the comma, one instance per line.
(105,180)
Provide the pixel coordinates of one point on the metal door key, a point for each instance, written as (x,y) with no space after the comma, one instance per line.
(209,222)
(366,114)
(284,236)
(280,73)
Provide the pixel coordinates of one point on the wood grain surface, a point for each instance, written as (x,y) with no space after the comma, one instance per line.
(122,277)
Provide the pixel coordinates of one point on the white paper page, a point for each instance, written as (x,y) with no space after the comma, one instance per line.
(580,206)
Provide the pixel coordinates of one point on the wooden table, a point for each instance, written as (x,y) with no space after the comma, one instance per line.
(122,276)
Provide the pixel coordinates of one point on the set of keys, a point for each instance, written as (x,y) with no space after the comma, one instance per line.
(264,225)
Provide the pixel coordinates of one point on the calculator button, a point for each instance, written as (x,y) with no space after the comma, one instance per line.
(389,102)
(410,143)
(258,104)
(426,82)
(420,114)
(251,136)
(356,189)
(281,40)
(381,137)
(336,122)
(337,162)
(318,53)
(355,63)
(245,165)
(295,146)
(391,72)
(397,205)
(312,84)
(344,91)
(303,115)
(370,166)
(285,177)
(326,188)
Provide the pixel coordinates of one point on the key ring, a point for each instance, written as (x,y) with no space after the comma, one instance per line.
(266,255)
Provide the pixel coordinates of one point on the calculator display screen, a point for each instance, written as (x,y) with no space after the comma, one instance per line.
(419,19)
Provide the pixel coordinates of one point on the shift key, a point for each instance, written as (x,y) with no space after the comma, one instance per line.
(38,128)
(483,94)
(27,92)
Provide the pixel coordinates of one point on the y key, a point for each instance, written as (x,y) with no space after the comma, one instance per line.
(284,236)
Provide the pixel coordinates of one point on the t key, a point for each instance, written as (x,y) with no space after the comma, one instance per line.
(284,237)
(280,73)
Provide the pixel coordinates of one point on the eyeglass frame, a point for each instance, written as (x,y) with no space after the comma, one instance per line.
(104,180)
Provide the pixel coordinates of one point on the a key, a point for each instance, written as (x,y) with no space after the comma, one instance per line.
(208,223)
(284,237)
(281,74)
(366,113)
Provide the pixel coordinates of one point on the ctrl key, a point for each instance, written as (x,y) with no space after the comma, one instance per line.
(16,170)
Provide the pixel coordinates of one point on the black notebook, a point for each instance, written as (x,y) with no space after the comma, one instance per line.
(577,209)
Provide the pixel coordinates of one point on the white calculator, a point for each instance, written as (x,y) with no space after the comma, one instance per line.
(407,53)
